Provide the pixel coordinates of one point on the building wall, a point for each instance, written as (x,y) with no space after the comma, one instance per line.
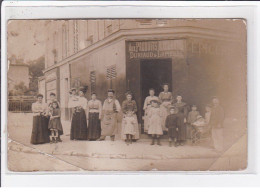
(67,37)
(100,61)
(64,90)
(213,58)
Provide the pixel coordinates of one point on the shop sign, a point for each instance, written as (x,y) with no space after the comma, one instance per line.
(156,49)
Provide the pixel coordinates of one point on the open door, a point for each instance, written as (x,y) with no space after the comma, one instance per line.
(153,73)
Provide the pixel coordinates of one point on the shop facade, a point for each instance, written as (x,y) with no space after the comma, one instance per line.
(197,63)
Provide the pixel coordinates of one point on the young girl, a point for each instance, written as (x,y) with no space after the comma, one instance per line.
(155,125)
(55,123)
(128,128)
(192,117)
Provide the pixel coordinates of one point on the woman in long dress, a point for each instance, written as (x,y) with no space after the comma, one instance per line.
(129,105)
(79,130)
(165,98)
(182,118)
(94,111)
(147,106)
(40,131)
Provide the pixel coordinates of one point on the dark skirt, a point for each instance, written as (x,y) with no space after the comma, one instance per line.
(94,126)
(79,128)
(172,133)
(56,124)
(40,131)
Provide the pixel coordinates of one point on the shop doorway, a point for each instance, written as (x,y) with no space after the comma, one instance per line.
(153,73)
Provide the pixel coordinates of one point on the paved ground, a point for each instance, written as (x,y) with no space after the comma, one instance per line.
(107,155)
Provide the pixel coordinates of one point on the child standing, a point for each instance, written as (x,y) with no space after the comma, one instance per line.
(55,122)
(154,125)
(128,127)
(192,117)
(171,125)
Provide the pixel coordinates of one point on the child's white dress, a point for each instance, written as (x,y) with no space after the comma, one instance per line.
(155,125)
(129,125)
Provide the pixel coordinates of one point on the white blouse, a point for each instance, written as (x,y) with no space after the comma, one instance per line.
(38,108)
(73,101)
(83,102)
(95,106)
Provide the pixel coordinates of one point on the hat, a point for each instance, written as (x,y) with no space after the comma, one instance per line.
(111,90)
(39,95)
(172,108)
(72,89)
(83,89)
(52,94)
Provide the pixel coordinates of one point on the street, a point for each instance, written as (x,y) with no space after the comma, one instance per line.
(117,156)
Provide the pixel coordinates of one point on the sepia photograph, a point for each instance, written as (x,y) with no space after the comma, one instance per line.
(127,95)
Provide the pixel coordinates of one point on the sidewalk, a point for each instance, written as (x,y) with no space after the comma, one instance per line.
(108,155)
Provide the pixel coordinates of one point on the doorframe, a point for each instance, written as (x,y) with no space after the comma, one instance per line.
(141,81)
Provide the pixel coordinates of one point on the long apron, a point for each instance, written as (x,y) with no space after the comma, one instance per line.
(136,132)
(146,119)
(109,123)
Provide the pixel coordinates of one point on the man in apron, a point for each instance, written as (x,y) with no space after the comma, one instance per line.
(111,107)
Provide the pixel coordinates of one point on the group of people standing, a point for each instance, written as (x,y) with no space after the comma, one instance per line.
(156,116)
(93,121)
(181,123)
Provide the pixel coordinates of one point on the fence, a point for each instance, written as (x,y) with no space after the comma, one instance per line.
(20,103)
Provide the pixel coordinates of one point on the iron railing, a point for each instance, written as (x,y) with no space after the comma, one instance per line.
(20,103)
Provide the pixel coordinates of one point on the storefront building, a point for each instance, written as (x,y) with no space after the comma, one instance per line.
(199,59)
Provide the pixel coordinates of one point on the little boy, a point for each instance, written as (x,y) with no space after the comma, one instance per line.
(171,125)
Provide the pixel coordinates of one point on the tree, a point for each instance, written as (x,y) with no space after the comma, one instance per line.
(36,68)
(19,90)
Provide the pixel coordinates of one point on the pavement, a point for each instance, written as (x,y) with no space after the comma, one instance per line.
(117,156)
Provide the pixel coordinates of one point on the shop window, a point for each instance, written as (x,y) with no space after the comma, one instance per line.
(92,81)
(111,72)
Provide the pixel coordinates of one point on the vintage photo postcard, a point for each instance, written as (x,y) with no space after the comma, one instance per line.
(127,95)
